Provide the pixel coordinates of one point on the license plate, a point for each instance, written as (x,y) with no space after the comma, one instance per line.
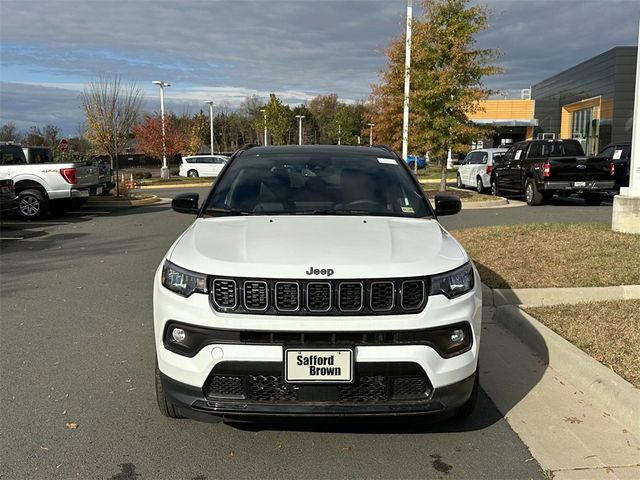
(99,191)
(318,365)
(579,184)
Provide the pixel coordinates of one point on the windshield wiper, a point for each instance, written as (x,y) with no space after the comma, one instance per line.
(333,211)
(227,211)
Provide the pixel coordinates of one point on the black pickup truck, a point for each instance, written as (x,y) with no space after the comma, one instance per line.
(542,168)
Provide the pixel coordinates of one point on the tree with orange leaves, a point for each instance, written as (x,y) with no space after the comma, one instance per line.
(149,136)
(446,81)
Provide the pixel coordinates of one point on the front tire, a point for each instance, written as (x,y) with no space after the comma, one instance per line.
(459,181)
(33,204)
(193,174)
(167,408)
(531,193)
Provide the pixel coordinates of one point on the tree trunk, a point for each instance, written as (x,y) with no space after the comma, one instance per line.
(443,175)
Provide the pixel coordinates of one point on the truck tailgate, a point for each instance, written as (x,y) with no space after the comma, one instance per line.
(86,174)
(574,169)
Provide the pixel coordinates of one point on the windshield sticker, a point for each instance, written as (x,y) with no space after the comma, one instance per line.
(518,153)
(407,209)
(389,161)
(617,155)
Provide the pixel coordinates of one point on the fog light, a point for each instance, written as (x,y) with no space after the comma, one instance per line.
(457,336)
(178,335)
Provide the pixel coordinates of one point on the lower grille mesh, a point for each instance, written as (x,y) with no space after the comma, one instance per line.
(225,386)
(273,388)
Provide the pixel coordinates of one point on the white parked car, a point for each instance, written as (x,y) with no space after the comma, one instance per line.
(475,169)
(202,165)
(297,291)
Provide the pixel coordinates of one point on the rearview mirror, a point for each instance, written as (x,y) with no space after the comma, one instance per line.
(186,203)
(447,204)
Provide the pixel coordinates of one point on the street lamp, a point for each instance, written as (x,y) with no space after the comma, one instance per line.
(339,133)
(299,117)
(164,171)
(210,103)
(371,133)
(264,111)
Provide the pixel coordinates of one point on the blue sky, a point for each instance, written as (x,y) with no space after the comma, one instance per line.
(225,50)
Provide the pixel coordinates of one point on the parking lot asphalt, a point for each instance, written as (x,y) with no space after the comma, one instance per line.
(77,350)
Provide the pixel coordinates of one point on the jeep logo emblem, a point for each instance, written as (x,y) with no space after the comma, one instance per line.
(317,271)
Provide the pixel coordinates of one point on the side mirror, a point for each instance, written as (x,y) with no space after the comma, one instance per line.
(186,203)
(447,204)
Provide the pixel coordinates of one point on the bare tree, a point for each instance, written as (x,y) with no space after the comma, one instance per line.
(9,133)
(111,109)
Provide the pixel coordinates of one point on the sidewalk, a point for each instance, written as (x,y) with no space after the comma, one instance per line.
(605,390)
(567,433)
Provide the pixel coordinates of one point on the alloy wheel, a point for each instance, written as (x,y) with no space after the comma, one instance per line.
(29,206)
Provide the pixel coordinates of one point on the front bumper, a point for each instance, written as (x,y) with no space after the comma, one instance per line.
(186,378)
(9,204)
(192,403)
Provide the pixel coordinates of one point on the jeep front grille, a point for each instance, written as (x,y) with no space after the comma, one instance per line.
(224,294)
(255,295)
(287,296)
(319,297)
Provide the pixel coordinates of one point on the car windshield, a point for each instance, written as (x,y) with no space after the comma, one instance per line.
(316,184)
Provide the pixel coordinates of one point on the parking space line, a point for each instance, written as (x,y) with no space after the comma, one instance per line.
(87,212)
(11,238)
(27,224)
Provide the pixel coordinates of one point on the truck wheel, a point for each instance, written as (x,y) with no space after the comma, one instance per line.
(531,193)
(192,173)
(459,181)
(479,185)
(593,199)
(495,191)
(32,204)
(167,408)
(469,406)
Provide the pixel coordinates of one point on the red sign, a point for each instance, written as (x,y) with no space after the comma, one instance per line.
(64,144)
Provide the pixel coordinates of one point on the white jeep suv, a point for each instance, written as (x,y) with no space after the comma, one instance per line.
(316,281)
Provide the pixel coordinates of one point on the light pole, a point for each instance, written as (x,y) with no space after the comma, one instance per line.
(339,133)
(299,117)
(407,69)
(164,171)
(210,103)
(264,111)
(371,133)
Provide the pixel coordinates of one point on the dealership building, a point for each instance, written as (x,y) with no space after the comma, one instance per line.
(591,102)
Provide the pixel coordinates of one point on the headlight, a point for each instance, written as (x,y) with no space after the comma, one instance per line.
(181,281)
(453,283)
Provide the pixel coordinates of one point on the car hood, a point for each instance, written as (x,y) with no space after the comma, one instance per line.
(289,246)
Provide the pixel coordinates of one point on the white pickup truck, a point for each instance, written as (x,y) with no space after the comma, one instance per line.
(42,185)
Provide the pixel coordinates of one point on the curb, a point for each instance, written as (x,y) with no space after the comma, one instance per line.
(434,180)
(485,204)
(173,185)
(609,391)
(125,203)
(540,297)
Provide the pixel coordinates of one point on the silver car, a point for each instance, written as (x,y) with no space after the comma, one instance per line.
(475,169)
